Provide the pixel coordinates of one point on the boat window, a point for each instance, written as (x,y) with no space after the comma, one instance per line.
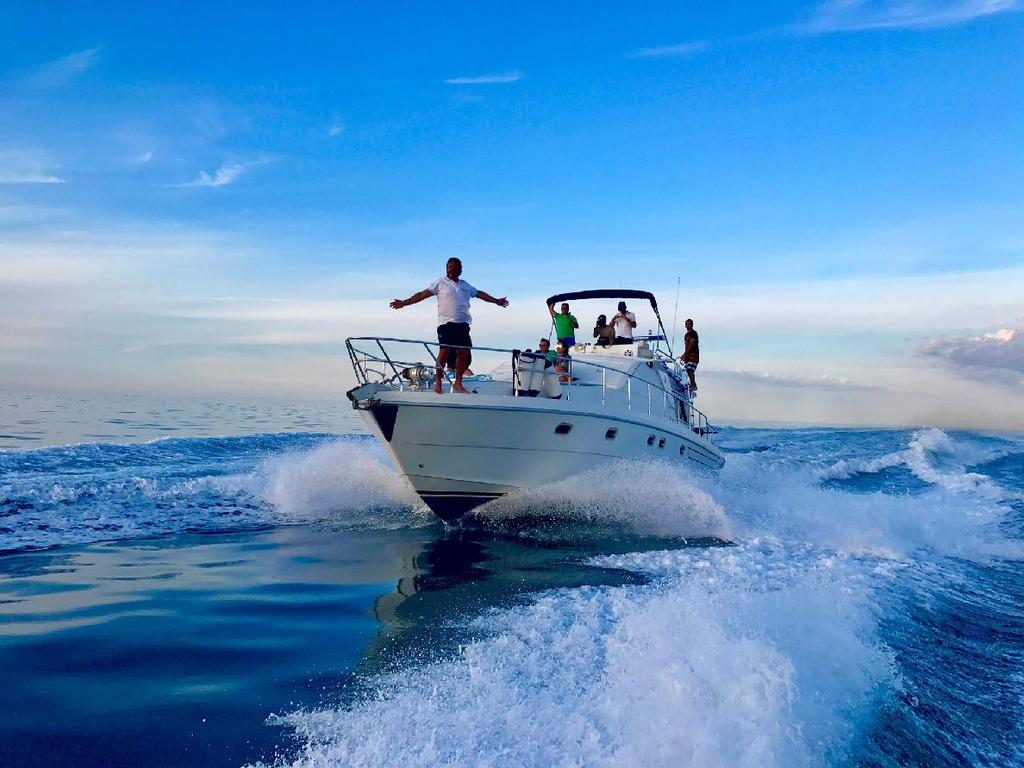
(563,429)
(682,450)
(611,433)
(661,443)
(650,439)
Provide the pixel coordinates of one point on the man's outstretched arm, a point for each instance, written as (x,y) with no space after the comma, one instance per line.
(502,302)
(551,309)
(414,299)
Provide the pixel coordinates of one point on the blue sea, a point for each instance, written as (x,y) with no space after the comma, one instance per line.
(207,584)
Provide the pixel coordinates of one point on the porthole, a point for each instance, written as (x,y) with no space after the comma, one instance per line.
(563,429)
(682,450)
(661,443)
(611,433)
(650,439)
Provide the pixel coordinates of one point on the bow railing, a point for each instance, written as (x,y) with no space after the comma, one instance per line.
(373,363)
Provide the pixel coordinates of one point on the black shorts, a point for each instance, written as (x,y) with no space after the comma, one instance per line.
(454,335)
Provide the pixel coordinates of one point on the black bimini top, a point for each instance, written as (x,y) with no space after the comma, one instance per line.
(605,293)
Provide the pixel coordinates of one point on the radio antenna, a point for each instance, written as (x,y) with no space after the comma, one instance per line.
(675,319)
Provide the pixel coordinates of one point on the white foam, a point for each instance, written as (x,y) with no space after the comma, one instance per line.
(668,674)
(919,458)
(647,497)
(783,502)
(338,482)
(758,654)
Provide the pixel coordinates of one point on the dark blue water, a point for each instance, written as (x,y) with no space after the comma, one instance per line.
(832,597)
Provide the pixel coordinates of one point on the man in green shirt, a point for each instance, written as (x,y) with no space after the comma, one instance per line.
(565,325)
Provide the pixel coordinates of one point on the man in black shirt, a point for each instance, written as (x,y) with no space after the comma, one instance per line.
(691,353)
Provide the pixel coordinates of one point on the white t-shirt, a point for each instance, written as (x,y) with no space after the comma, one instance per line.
(452,300)
(623,328)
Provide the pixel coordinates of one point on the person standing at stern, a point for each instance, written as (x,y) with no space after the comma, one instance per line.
(453,319)
(624,322)
(691,353)
(565,325)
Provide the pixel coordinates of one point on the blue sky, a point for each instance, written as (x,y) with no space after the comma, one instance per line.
(208,199)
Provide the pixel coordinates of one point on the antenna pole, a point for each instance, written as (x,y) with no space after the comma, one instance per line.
(675,316)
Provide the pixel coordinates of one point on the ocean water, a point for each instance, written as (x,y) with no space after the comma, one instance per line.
(278,597)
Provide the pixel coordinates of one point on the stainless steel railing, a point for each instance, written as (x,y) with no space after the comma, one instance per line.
(405,374)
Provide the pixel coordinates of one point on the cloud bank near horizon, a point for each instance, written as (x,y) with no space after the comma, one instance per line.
(996,357)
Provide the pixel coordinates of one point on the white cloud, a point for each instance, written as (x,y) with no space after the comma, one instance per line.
(26,167)
(66,68)
(223,176)
(990,356)
(336,128)
(504,77)
(670,51)
(855,15)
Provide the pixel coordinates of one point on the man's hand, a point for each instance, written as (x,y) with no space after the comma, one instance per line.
(484,296)
(416,298)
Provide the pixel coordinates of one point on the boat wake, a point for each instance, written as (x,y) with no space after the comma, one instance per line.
(799,644)
(934,458)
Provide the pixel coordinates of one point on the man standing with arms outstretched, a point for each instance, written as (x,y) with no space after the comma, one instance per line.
(453,319)
(691,353)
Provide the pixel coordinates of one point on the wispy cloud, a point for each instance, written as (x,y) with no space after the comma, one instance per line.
(991,356)
(795,381)
(856,15)
(64,69)
(504,77)
(26,167)
(336,128)
(225,175)
(678,50)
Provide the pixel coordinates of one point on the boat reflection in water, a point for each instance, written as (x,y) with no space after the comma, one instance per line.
(454,578)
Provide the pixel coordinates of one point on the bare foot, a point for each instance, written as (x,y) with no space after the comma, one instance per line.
(460,389)
(437,389)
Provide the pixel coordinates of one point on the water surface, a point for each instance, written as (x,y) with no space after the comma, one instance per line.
(832,597)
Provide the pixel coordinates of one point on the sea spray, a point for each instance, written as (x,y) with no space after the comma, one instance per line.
(640,497)
(100,492)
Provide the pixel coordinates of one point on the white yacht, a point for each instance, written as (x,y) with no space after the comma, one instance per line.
(530,421)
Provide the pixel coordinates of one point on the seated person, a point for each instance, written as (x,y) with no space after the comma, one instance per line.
(544,348)
(563,364)
(604,333)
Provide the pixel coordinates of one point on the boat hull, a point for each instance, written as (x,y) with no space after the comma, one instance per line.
(459,452)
